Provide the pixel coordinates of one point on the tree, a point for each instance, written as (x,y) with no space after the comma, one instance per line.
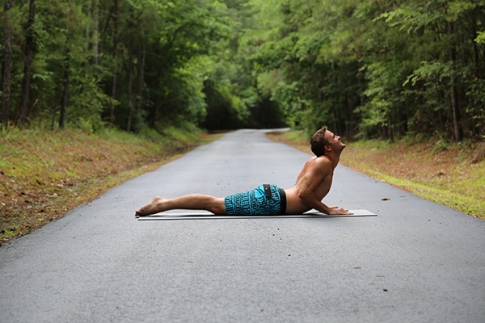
(7,63)
(116,31)
(28,55)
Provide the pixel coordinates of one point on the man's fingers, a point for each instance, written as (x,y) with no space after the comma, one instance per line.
(345,211)
(340,210)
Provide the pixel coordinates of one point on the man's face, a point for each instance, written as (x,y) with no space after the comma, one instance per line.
(334,141)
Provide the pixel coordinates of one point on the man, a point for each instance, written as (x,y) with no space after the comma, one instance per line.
(312,185)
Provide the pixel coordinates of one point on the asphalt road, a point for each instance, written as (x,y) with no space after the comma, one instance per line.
(415,262)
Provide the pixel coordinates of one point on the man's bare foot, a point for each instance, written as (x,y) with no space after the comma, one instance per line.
(154,206)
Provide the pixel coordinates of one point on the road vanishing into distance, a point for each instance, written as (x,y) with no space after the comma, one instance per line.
(416,261)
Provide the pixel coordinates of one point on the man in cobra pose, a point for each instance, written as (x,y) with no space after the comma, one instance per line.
(312,185)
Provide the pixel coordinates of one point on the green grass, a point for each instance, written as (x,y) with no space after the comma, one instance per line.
(461,196)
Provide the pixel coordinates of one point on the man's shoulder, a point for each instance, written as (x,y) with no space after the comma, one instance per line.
(321,163)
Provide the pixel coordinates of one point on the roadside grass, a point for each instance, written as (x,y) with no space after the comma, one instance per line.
(448,174)
(45,174)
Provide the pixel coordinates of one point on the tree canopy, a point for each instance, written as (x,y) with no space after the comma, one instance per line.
(367,69)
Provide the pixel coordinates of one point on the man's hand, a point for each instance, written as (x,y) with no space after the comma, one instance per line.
(335,210)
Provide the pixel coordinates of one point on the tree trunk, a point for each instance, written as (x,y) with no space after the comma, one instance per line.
(390,127)
(95,30)
(104,25)
(88,29)
(141,77)
(453,95)
(115,54)
(65,96)
(7,65)
(29,51)
(130,101)
(65,92)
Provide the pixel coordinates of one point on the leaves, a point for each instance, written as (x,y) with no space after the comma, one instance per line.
(365,68)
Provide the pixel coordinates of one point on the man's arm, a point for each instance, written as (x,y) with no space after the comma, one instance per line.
(319,173)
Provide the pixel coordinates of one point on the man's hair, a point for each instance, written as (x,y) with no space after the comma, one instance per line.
(318,142)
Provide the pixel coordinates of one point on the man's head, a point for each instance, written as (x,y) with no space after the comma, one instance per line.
(324,141)
(318,141)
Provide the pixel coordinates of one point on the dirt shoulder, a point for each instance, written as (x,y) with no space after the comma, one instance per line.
(44,174)
(449,174)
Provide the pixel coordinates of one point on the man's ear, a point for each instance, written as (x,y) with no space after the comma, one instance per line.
(327,148)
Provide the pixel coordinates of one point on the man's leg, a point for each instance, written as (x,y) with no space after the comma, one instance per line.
(188,202)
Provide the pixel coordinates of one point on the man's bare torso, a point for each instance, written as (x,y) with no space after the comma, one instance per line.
(316,177)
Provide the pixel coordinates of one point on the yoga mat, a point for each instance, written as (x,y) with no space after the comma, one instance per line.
(194,215)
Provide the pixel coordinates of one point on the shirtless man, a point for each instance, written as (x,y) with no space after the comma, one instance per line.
(312,185)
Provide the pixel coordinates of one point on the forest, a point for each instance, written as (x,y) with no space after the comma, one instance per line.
(382,69)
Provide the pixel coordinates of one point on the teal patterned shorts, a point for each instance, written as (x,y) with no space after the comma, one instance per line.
(263,200)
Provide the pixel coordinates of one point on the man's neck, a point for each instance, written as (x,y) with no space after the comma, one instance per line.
(334,158)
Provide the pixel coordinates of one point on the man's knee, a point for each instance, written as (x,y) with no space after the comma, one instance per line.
(218,207)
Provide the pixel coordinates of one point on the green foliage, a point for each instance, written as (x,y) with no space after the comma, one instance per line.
(371,69)
(440,145)
(480,37)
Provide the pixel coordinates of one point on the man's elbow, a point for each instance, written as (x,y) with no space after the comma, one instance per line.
(308,198)
(304,196)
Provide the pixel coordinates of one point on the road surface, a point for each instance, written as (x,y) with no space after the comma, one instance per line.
(415,261)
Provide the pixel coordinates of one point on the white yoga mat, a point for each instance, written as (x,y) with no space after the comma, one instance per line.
(202,215)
